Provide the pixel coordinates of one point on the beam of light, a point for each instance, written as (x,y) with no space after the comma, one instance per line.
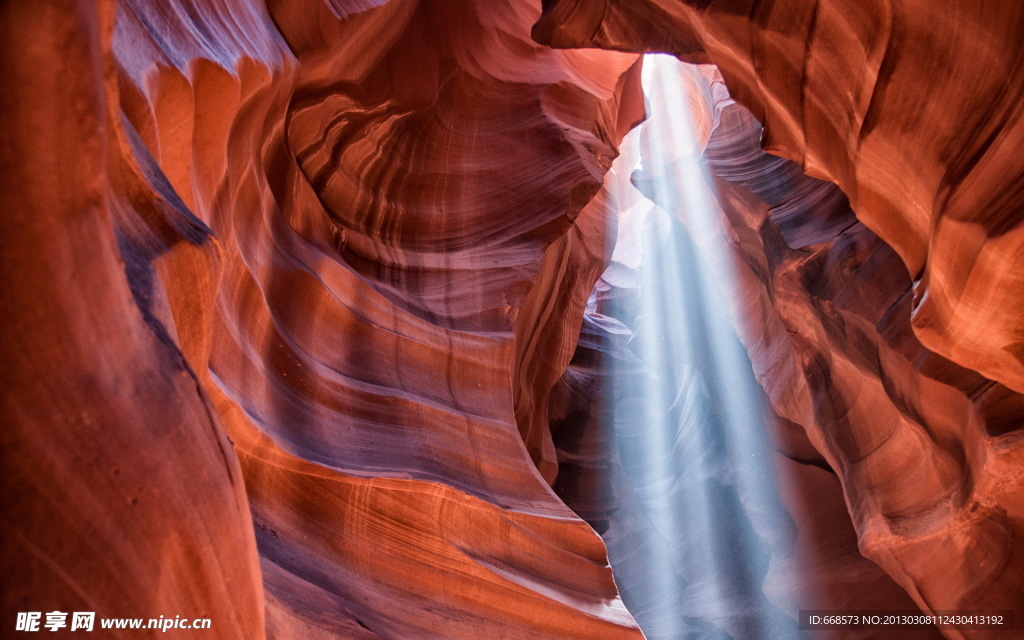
(688,414)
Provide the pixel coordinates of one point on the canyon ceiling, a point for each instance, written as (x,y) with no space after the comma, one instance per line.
(295,311)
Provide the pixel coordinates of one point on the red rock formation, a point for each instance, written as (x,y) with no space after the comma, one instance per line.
(926,449)
(912,435)
(121,492)
(912,108)
(881,99)
(341,228)
(806,546)
(357,237)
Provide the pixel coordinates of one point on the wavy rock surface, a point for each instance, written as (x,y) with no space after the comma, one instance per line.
(928,452)
(911,107)
(926,449)
(291,289)
(340,233)
(790,527)
(922,427)
(120,486)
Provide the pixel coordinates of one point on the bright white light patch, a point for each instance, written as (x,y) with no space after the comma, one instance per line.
(687,412)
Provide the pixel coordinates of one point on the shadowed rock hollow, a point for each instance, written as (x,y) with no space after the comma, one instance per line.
(293,296)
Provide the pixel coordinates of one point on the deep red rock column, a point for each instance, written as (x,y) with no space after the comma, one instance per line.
(122,494)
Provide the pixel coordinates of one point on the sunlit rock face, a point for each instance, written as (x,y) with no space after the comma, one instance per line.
(316,261)
(748,548)
(927,451)
(291,289)
(911,108)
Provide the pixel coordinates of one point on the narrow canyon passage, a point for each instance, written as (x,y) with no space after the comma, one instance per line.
(511,319)
(701,538)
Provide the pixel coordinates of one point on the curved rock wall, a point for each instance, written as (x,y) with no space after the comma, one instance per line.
(927,452)
(120,485)
(912,110)
(911,107)
(340,233)
(791,527)
(290,289)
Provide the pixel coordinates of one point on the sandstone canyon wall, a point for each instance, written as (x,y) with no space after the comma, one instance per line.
(912,108)
(293,292)
(275,259)
(922,427)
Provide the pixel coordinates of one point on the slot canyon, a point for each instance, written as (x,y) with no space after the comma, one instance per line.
(513,319)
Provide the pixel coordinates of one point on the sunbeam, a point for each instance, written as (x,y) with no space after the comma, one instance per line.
(688,414)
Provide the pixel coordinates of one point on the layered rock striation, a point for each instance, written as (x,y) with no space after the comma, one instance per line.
(292,291)
(288,286)
(911,108)
(782,539)
(882,99)
(927,452)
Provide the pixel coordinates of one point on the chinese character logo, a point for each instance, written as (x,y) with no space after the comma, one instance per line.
(56,620)
(80,620)
(83,620)
(28,621)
